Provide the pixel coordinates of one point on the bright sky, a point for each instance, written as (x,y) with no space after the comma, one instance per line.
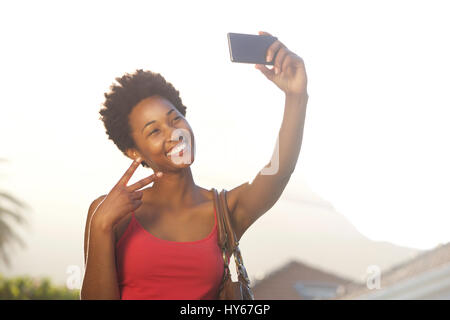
(376,135)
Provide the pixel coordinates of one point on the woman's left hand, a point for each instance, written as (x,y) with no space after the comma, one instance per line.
(288,72)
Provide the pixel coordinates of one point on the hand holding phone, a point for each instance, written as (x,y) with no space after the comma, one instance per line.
(288,73)
(249,48)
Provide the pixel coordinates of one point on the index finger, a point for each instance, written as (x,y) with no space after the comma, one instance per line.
(127,175)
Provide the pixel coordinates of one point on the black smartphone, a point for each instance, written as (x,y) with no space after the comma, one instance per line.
(249,48)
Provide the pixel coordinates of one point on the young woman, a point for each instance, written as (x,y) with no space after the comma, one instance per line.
(161,242)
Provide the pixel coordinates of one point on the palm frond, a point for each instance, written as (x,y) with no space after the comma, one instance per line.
(7,236)
(14,200)
(18,217)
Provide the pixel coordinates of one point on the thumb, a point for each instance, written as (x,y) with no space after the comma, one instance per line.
(266,71)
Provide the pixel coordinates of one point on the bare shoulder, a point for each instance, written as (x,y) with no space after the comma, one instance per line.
(91,211)
(96,203)
(118,229)
(232,197)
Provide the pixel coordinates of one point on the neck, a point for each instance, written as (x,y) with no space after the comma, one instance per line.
(175,190)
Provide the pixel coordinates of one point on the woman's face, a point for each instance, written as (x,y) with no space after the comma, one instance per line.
(157,126)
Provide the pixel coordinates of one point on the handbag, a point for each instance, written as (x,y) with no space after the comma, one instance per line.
(227,241)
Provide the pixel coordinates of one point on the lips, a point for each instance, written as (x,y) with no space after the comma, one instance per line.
(170,149)
(179,148)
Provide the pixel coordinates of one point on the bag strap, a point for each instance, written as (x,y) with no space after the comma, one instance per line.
(231,235)
(222,234)
(227,239)
(240,268)
(222,237)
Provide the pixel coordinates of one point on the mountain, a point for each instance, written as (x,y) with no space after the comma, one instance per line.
(304,227)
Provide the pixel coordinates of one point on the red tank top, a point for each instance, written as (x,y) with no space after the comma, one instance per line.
(150,268)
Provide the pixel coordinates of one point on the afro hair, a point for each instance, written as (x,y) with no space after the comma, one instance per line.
(121,99)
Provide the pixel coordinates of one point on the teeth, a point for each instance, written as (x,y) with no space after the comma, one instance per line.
(177,148)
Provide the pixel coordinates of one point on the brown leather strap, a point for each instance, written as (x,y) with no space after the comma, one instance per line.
(222,237)
(232,239)
(222,234)
(227,241)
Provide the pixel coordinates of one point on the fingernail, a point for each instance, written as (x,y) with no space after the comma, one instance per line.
(268,58)
(138,159)
(159,174)
(276,70)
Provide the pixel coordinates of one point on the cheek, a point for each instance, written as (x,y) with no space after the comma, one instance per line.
(151,146)
(156,146)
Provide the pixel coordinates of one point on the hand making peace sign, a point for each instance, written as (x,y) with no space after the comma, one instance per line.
(122,199)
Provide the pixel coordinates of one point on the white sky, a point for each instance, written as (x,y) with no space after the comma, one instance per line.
(376,135)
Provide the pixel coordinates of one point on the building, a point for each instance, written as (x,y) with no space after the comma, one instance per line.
(298,281)
(424,277)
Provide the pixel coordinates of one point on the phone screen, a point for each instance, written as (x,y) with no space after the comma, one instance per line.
(249,48)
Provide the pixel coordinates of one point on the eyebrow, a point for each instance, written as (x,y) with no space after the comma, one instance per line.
(150,122)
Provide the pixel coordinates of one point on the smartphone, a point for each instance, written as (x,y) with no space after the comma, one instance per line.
(249,48)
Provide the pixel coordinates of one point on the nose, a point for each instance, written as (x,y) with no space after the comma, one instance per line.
(178,135)
(180,138)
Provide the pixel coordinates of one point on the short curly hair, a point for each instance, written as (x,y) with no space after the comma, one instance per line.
(121,99)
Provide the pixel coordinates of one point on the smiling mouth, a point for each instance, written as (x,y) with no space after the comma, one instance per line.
(178,149)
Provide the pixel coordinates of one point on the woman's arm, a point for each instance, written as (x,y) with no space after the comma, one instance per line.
(100,277)
(251,201)
(290,137)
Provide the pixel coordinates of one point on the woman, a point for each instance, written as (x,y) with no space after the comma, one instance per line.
(161,242)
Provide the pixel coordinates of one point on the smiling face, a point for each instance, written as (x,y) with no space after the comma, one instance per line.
(157,126)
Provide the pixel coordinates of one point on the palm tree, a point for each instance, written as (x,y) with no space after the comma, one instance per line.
(15,210)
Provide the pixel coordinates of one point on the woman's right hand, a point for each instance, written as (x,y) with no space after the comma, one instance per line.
(122,199)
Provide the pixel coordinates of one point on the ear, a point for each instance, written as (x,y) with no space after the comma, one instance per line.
(132,154)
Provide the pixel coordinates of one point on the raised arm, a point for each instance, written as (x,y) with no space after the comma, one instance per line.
(250,201)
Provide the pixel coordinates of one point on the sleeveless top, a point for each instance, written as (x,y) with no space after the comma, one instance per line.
(150,268)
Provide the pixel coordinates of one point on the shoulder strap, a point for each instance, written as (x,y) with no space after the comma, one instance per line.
(222,234)
(227,239)
(232,239)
